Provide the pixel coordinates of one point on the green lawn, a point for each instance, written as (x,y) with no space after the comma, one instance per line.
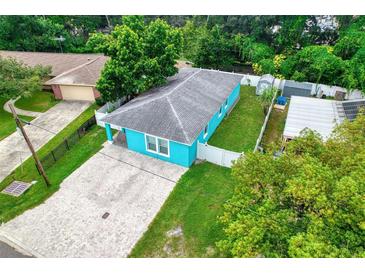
(40,101)
(274,128)
(240,130)
(193,205)
(38,193)
(7,123)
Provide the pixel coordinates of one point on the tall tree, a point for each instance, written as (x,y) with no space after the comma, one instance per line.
(315,64)
(141,56)
(306,203)
(32,33)
(214,49)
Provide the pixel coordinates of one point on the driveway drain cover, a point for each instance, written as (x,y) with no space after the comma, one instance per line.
(16,188)
(105,215)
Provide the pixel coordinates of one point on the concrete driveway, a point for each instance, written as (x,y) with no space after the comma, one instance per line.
(131,187)
(13,148)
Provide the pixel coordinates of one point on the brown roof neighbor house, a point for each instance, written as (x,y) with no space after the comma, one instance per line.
(73,76)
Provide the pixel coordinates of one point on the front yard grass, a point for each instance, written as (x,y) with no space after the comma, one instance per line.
(40,101)
(193,206)
(7,123)
(241,128)
(38,193)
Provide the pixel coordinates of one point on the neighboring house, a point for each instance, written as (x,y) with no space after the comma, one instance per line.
(73,76)
(167,122)
(319,115)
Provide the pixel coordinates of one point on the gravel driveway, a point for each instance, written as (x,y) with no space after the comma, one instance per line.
(131,187)
(13,148)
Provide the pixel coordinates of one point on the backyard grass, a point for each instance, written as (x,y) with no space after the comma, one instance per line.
(40,101)
(193,206)
(274,128)
(7,123)
(241,128)
(38,193)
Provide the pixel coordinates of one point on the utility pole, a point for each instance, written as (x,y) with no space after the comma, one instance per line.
(35,156)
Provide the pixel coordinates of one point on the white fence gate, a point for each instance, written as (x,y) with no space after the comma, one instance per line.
(217,155)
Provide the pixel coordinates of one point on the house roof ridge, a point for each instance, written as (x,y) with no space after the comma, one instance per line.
(74,69)
(54,53)
(158,98)
(178,119)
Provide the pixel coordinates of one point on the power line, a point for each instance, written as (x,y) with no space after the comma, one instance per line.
(31,124)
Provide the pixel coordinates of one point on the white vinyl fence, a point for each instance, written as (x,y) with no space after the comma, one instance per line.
(263,128)
(252,80)
(107,108)
(217,155)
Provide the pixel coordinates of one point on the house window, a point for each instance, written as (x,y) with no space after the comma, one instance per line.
(163,147)
(226,103)
(151,143)
(157,145)
(206,131)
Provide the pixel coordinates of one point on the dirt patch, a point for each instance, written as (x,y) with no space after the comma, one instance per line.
(175,244)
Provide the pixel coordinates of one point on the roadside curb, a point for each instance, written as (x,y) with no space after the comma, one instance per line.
(18,246)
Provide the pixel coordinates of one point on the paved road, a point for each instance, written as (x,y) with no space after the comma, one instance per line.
(13,148)
(129,186)
(7,251)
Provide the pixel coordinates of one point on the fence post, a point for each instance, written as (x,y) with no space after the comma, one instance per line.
(67,146)
(54,158)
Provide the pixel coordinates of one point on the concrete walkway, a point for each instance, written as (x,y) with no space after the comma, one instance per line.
(14,150)
(20,111)
(129,186)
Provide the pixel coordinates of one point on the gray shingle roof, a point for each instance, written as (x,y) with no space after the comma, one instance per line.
(60,62)
(180,109)
(86,74)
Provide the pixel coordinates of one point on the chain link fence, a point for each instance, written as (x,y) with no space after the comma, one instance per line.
(51,158)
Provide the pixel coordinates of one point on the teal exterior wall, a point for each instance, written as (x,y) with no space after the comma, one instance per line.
(181,154)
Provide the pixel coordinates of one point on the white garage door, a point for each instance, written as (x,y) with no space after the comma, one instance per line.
(77,93)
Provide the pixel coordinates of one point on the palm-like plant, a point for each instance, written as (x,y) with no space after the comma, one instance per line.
(266,98)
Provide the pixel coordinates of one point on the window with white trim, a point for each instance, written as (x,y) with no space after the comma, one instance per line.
(151,143)
(226,103)
(206,131)
(163,147)
(157,145)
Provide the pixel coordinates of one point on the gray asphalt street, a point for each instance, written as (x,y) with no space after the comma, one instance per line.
(7,251)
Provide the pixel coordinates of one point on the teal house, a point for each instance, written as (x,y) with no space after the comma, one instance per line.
(167,122)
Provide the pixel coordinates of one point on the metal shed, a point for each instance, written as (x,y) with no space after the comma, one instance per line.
(316,114)
(266,81)
(293,88)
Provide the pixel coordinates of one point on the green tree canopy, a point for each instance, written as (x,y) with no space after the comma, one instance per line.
(214,49)
(314,64)
(32,33)
(141,56)
(309,202)
(16,79)
(251,51)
